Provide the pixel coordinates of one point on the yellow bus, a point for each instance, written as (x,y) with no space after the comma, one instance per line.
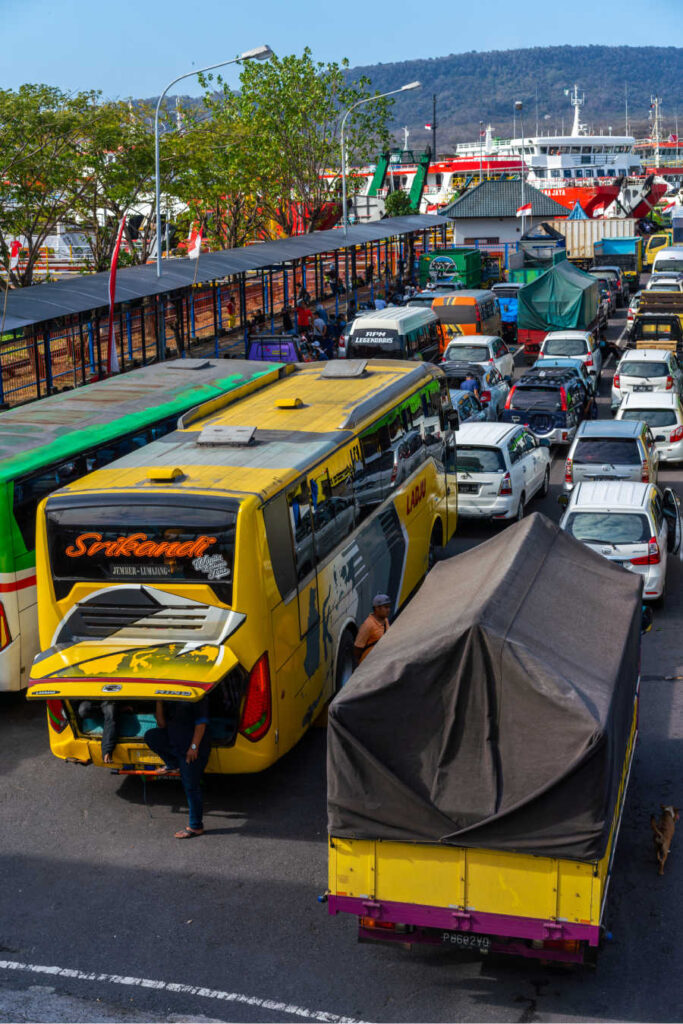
(237,556)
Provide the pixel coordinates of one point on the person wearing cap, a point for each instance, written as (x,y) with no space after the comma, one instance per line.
(374,627)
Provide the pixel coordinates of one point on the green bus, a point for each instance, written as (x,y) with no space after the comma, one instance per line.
(46,444)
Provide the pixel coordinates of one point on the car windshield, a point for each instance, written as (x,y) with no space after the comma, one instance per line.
(669,266)
(473,459)
(471,353)
(635,368)
(653,417)
(610,451)
(565,347)
(609,527)
(548,399)
(660,287)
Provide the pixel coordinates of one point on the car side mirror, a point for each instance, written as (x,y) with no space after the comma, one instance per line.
(563,500)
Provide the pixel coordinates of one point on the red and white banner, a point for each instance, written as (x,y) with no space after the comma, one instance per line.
(195,246)
(524,211)
(14,251)
(669,206)
(598,210)
(112,355)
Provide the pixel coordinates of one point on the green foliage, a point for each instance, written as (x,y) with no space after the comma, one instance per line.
(397,204)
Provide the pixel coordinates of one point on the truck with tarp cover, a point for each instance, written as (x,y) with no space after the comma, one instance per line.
(564,298)
(478,759)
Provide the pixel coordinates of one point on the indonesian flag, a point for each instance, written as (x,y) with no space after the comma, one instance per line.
(524,211)
(429,127)
(195,246)
(14,251)
(112,354)
(673,138)
(669,206)
(599,210)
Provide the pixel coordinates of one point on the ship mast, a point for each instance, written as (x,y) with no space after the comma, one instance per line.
(656,125)
(577,102)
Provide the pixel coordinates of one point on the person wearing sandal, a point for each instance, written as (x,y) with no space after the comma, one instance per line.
(181,739)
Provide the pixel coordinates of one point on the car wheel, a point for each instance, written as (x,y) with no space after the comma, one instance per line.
(519,514)
(435,544)
(545,486)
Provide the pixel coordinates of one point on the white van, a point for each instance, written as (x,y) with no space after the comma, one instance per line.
(397,332)
(669,260)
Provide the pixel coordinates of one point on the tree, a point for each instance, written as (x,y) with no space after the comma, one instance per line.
(287,115)
(397,204)
(40,128)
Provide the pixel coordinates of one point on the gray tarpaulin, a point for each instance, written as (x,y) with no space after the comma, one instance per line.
(496,710)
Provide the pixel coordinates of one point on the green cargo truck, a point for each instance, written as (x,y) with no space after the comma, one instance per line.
(459,262)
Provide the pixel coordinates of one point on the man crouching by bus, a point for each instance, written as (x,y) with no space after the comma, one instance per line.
(182,741)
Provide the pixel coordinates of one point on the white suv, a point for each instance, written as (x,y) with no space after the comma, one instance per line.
(500,467)
(663,413)
(632,524)
(574,345)
(645,370)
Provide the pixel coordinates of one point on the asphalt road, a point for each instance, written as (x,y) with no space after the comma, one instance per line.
(104,917)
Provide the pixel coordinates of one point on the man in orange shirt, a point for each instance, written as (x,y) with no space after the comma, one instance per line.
(374,627)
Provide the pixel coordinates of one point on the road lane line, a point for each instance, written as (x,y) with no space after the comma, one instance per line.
(194,990)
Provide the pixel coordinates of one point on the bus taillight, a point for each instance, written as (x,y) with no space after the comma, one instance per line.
(56,715)
(257,713)
(5,635)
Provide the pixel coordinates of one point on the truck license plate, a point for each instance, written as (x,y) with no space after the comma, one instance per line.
(462,940)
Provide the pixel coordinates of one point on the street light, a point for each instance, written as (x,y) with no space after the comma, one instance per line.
(258,53)
(518,108)
(481,158)
(366,99)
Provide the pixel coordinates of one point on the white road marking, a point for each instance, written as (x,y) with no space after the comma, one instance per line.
(194,990)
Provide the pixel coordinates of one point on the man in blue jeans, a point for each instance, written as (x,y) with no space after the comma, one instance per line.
(182,741)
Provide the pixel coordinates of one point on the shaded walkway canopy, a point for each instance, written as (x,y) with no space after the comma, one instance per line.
(40,303)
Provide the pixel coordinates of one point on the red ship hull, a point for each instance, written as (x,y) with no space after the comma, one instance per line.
(656,193)
(590,196)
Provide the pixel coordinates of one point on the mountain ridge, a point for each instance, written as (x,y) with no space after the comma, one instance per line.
(483,85)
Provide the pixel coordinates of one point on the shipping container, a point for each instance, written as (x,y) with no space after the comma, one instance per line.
(582,235)
(464,262)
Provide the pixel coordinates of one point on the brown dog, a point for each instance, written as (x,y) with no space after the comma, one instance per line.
(663,833)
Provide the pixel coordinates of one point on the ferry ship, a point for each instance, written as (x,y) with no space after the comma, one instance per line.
(601,172)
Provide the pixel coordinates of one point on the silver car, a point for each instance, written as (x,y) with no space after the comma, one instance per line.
(611,450)
(493,389)
(633,524)
(576,345)
(663,413)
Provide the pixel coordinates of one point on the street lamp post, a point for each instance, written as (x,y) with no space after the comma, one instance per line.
(481,151)
(366,99)
(259,53)
(518,108)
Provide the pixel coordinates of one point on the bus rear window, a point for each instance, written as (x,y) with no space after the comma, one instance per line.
(457,313)
(150,543)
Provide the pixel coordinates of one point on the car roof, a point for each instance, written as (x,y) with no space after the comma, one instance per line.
(553,375)
(560,361)
(473,339)
(610,428)
(605,266)
(485,433)
(648,355)
(566,334)
(650,400)
(613,494)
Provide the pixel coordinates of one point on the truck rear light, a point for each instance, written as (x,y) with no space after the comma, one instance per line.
(569,472)
(677,434)
(566,945)
(644,472)
(486,396)
(56,715)
(5,635)
(505,485)
(669,383)
(652,557)
(615,381)
(257,712)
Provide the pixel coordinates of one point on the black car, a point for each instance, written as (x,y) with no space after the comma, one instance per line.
(551,403)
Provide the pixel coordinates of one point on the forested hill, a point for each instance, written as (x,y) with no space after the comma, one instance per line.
(483,86)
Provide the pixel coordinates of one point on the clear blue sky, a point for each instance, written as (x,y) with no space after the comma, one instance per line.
(134,47)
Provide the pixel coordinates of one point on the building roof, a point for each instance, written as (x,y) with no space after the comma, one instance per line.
(502,199)
(42,302)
